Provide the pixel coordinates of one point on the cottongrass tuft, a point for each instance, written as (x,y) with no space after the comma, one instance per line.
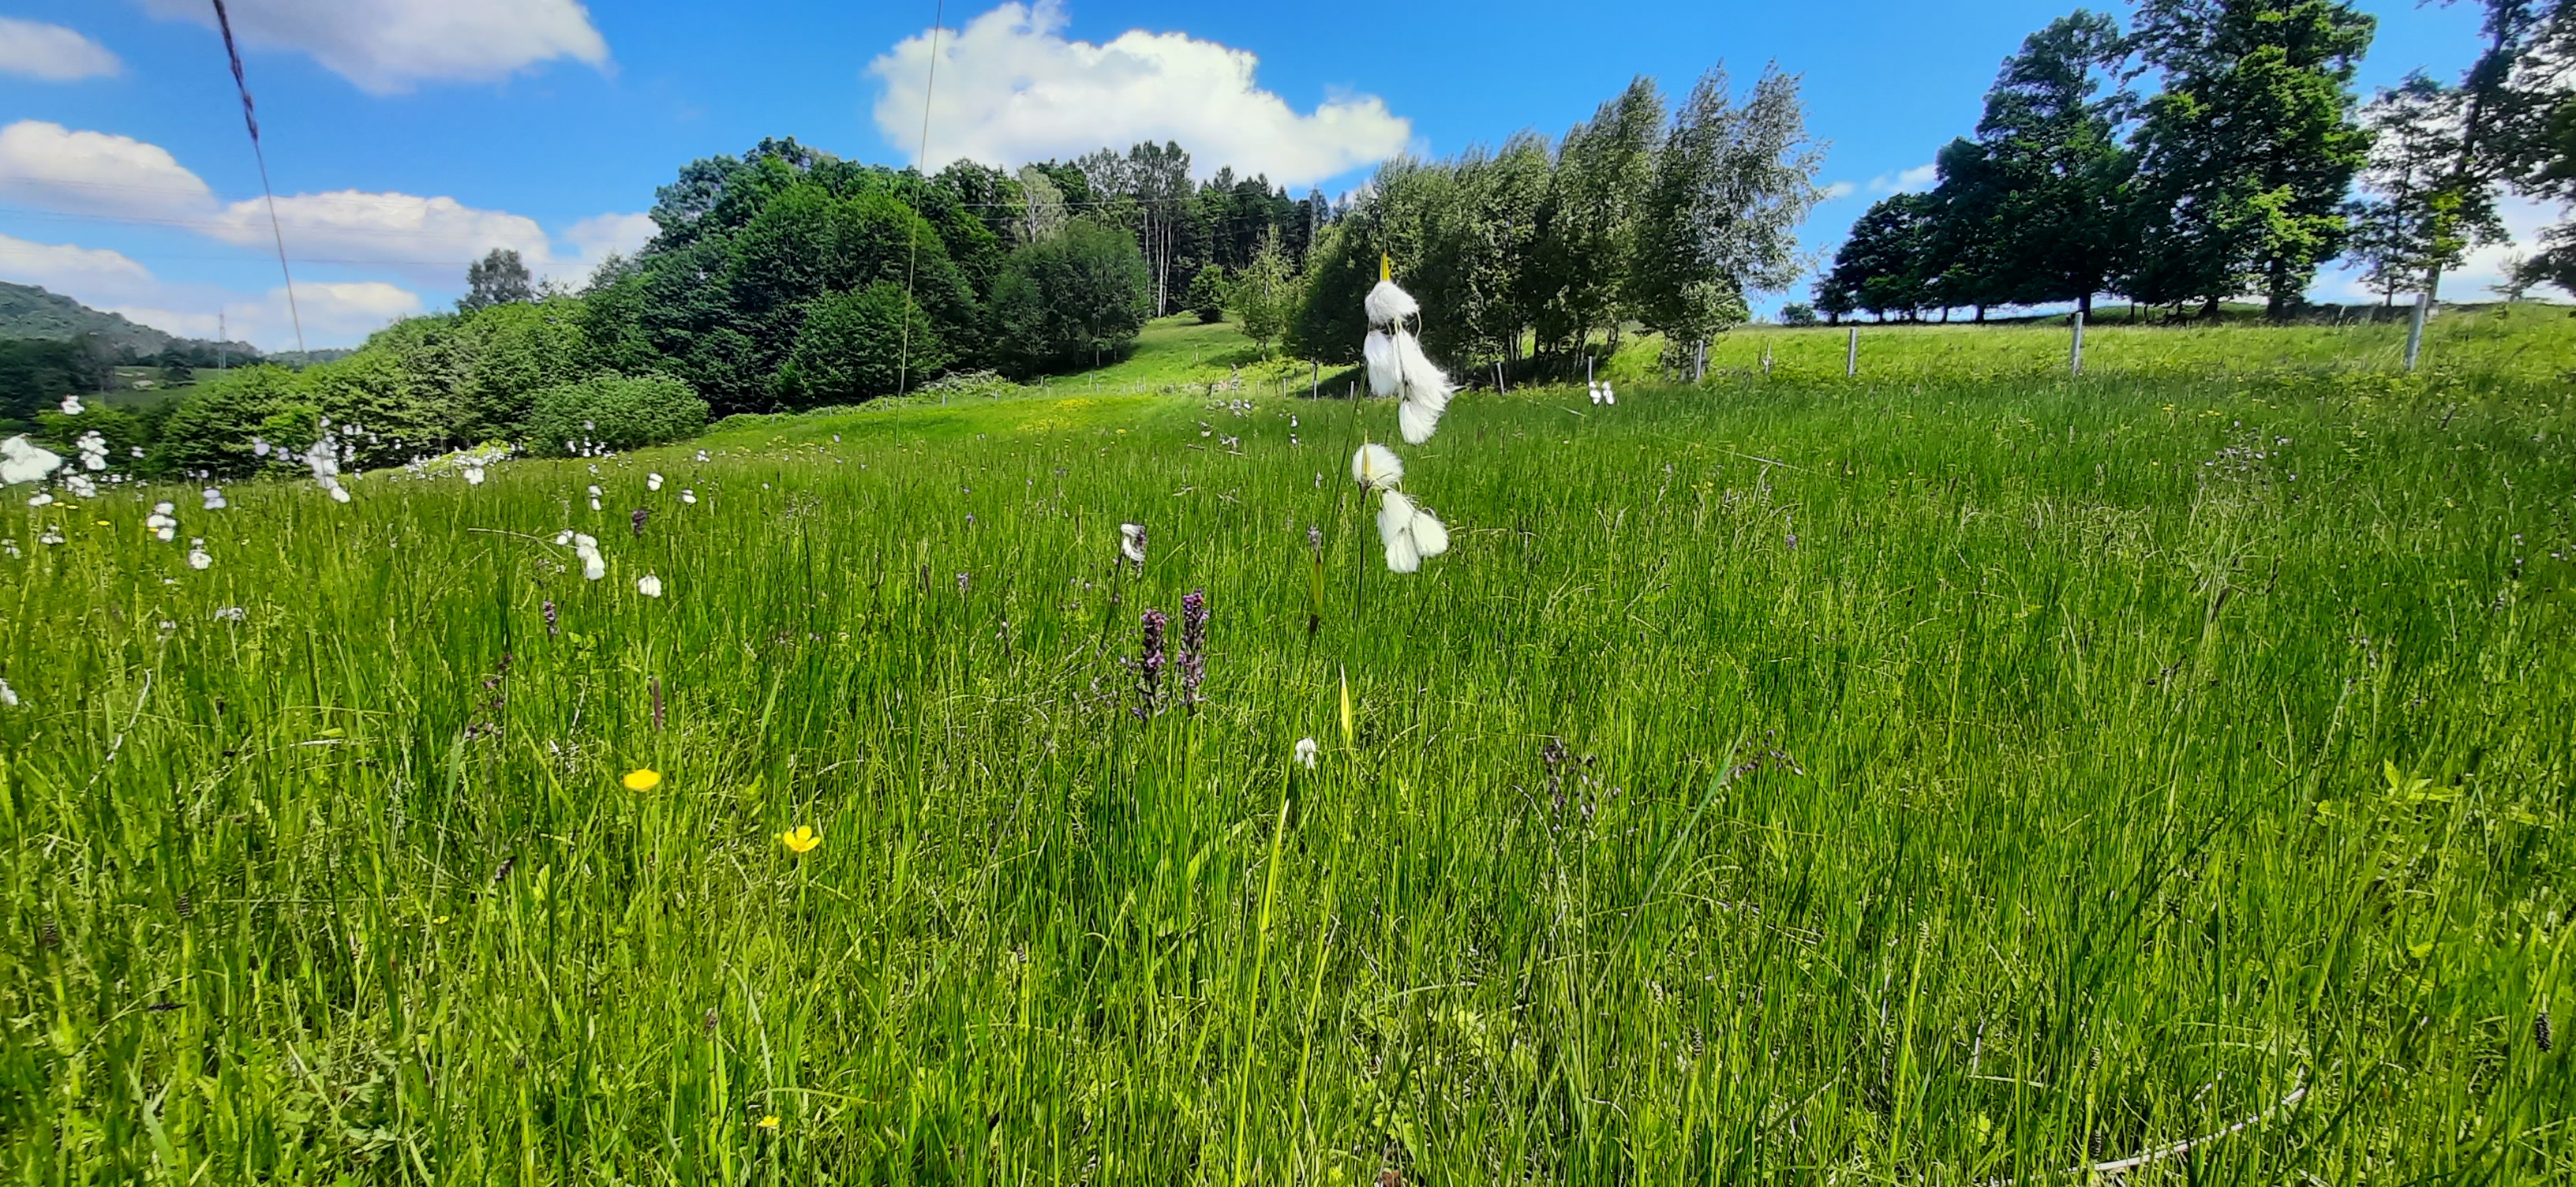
(688,496)
(652,481)
(1131,543)
(8,695)
(649,585)
(1304,755)
(24,461)
(214,497)
(198,558)
(72,406)
(1409,533)
(163,524)
(1375,467)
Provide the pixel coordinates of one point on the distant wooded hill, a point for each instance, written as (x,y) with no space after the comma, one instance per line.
(30,312)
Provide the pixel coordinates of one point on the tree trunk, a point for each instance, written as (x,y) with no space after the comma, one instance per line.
(2084,305)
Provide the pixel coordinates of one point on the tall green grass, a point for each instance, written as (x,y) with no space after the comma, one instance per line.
(1932,781)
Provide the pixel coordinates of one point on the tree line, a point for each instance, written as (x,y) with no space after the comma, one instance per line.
(1661,215)
(2235,175)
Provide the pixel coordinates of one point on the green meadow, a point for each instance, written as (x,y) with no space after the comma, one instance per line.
(1964,773)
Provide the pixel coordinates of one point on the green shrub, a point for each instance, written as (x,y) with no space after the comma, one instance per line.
(615,411)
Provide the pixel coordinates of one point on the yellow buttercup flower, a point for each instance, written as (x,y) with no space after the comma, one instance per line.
(800,840)
(642,779)
(770,1123)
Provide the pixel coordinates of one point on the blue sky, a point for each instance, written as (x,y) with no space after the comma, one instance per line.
(405,137)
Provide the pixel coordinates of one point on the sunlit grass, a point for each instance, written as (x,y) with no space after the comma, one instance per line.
(1923,782)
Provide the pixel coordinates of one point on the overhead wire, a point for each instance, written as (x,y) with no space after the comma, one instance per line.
(250,118)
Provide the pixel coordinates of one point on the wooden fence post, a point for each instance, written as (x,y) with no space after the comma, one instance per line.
(2075,356)
(1851,355)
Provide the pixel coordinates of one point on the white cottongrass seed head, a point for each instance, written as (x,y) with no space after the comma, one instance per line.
(473,475)
(649,585)
(71,406)
(162,522)
(1305,753)
(688,496)
(1375,467)
(24,461)
(214,498)
(593,565)
(1409,533)
(652,482)
(1131,542)
(8,695)
(198,558)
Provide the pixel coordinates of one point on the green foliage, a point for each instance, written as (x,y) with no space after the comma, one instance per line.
(1207,294)
(35,375)
(2246,156)
(1797,313)
(1265,295)
(613,411)
(499,278)
(211,428)
(857,346)
(1071,300)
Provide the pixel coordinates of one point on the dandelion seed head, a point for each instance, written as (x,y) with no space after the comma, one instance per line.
(1305,753)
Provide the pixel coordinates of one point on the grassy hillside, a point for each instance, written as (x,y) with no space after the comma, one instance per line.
(1926,779)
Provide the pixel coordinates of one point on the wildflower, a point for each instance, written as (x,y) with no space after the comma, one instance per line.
(638,520)
(473,475)
(8,695)
(594,498)
(80,486)
(642,779)
(214,497)
(548,610)
(1409,533)
(24,462)
(652,482)
(649,585)
(259,447)
(71,406)
(770,1122)
(231,614)
(688,496)
(1375,467)
(1194,618)
(1149,663)
(1131,542)
(1608,396)
(93,450)
(198,558)
(1305,753)
(800,840)
(161,522)
(702,455)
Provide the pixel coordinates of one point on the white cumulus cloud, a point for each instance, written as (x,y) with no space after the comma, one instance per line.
(593,239)
(1839,189)
(335,313)
(48,165)
(1906,181)
(68,268)
(351,226)
(391,46)
(51,53)
(1013,88)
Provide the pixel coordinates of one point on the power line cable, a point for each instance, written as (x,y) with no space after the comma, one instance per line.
(920,163)
(250,118)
